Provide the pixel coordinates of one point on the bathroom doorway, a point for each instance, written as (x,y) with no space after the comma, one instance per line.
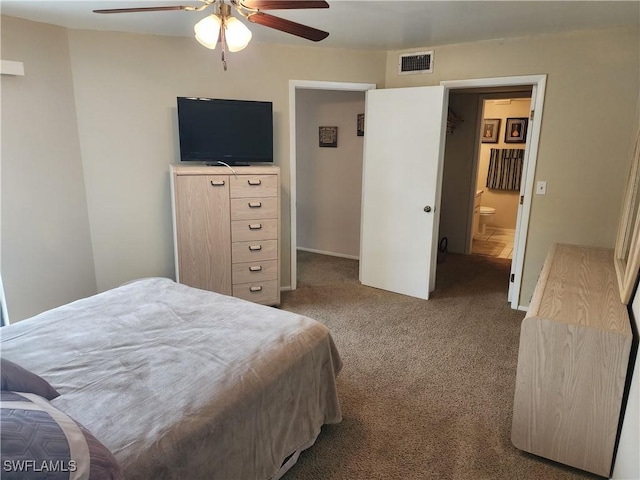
(462,177)
(499,161)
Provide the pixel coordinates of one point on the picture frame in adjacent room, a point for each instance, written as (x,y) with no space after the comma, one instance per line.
(490,130)
(360,125)
(328,136)
(516,130)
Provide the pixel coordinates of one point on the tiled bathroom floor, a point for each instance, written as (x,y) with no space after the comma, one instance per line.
(497,242)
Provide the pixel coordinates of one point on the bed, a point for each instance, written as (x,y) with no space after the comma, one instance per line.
(182,383)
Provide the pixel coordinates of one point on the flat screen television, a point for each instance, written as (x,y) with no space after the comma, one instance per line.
(231,131)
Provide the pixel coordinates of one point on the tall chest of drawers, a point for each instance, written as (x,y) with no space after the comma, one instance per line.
(226,228)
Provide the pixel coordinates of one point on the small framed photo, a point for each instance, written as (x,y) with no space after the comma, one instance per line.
(328,136)
(490,130)
(516,131)
(360,125)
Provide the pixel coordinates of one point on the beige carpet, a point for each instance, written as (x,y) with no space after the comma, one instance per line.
(427,386)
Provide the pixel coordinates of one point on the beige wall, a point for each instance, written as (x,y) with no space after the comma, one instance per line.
(123,89)
(126,87)
(586,137)
(504,201)
(46,247)
(329,180)
(457,174)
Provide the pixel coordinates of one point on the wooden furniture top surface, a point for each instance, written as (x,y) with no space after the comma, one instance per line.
(222,170)
(578,285)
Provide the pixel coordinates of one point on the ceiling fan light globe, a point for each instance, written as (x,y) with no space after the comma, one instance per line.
(236,34)
(207,31)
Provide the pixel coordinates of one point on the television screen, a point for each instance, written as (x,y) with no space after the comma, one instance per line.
(231,131)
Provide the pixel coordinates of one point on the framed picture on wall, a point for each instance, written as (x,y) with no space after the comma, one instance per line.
(328,136)
(516,131)
(490,130)
(360,125)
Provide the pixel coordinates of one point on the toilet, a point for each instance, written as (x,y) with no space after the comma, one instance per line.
(485,215)
(481,215)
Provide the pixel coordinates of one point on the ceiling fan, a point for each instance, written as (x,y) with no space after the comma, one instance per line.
(222,27)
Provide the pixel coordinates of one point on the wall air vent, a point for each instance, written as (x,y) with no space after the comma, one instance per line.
(415,62)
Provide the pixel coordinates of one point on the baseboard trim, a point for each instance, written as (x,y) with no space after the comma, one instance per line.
(332,254)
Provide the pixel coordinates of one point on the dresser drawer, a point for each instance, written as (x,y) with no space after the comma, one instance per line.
(259,271)
(246,230)
(244,186)
(252,208)
(242,252)
(258,292)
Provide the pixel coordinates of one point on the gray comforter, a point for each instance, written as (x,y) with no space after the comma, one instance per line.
(180,383)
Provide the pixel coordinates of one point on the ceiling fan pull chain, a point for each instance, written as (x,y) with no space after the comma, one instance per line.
(223,42)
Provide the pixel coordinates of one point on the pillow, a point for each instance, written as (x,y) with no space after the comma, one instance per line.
(40,441)
(19,379)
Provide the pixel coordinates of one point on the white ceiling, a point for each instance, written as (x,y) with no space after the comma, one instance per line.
(362,24)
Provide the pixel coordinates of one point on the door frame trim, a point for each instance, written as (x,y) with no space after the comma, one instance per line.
(522,223)
(295,85)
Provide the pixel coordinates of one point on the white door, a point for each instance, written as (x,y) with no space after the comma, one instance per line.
(518,246)
(401,183)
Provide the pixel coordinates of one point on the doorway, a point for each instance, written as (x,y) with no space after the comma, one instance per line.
(498,168)
(535,85)
(296,87)
(329,177)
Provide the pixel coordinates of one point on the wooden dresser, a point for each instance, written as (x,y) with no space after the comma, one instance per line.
(574,353)
(227,230)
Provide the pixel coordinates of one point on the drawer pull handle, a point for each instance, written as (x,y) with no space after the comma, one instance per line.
(254,182)
(255,248)
(255,289)
(255,268)
(217,183)
(255,204)
(255,226)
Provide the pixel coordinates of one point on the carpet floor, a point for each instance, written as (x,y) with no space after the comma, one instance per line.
(427,386)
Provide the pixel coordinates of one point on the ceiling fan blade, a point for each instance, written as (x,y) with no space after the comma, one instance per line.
(283,4)
(288,26)
(140,9)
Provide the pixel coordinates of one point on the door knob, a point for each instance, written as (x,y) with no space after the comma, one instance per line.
(427,209)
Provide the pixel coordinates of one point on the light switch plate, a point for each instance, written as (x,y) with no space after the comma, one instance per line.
(541,187)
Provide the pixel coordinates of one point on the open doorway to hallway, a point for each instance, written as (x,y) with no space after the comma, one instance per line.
(481,186)
(329,180)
